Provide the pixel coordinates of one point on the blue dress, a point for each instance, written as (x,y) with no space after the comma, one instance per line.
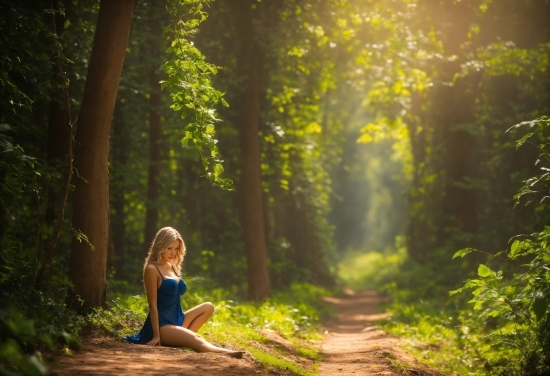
(169,308)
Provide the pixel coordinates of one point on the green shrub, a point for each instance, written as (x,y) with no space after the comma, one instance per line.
(31,323)
(505,330)
(515,307)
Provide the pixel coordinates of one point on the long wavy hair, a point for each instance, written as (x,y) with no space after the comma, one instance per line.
(164,237)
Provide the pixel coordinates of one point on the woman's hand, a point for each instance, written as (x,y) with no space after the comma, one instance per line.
(154,342)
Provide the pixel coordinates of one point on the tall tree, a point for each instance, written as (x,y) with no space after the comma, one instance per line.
(117,188)
(250,67)
(91,197)
(463,119)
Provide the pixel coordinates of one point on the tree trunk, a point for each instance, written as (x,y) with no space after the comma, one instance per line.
(91,197)
(119,155)
(249,62)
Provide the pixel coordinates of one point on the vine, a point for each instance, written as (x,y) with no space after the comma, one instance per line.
(190,86)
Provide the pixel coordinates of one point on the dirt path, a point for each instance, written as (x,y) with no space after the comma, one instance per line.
(102,355)
(352,346)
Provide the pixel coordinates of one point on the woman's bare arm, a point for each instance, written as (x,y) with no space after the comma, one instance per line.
(150,279)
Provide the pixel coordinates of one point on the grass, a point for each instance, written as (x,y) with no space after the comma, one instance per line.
(454,341)
(439,331)
(428,337)
(363,271)
(292,315)
(396,364)
(429,333)
(308,353)
(276,362)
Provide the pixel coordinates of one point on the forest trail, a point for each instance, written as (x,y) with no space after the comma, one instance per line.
(352,346)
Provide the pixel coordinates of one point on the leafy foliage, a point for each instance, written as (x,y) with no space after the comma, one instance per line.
(19,332)
(503,328)
(31,322)
(518,305)
(371,270)
(536,187)
(17,167)
(190,86)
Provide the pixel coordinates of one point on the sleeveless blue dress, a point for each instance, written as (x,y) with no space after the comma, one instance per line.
(169,308)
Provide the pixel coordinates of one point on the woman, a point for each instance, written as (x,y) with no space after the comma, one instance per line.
(166,324)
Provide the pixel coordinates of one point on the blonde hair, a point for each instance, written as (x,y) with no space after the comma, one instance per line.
(164,237)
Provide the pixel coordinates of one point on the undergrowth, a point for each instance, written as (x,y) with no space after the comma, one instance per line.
(362,271)
(292,314)
(502,327)
(438,331)
(32,323)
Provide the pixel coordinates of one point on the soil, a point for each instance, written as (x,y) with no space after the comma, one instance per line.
(353,345)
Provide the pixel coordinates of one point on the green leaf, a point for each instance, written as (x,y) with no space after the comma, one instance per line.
(493,313)
(463,252)
(483,271)
(514,247)
(478,303)
(186,139)
(478,291)
(81,237)
(540,305)
(218,169)
(457,291)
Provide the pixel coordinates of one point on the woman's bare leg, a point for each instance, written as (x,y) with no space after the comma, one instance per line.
(177,336)
(196,317)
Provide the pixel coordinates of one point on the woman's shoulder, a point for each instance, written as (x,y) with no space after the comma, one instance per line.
(150,268)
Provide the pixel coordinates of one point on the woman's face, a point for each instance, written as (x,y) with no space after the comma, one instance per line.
(170,252)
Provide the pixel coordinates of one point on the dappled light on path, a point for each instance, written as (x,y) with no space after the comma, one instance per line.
(354,345)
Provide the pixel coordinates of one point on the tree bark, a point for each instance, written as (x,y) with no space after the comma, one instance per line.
(117,188)
(249,65)
(91,197)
